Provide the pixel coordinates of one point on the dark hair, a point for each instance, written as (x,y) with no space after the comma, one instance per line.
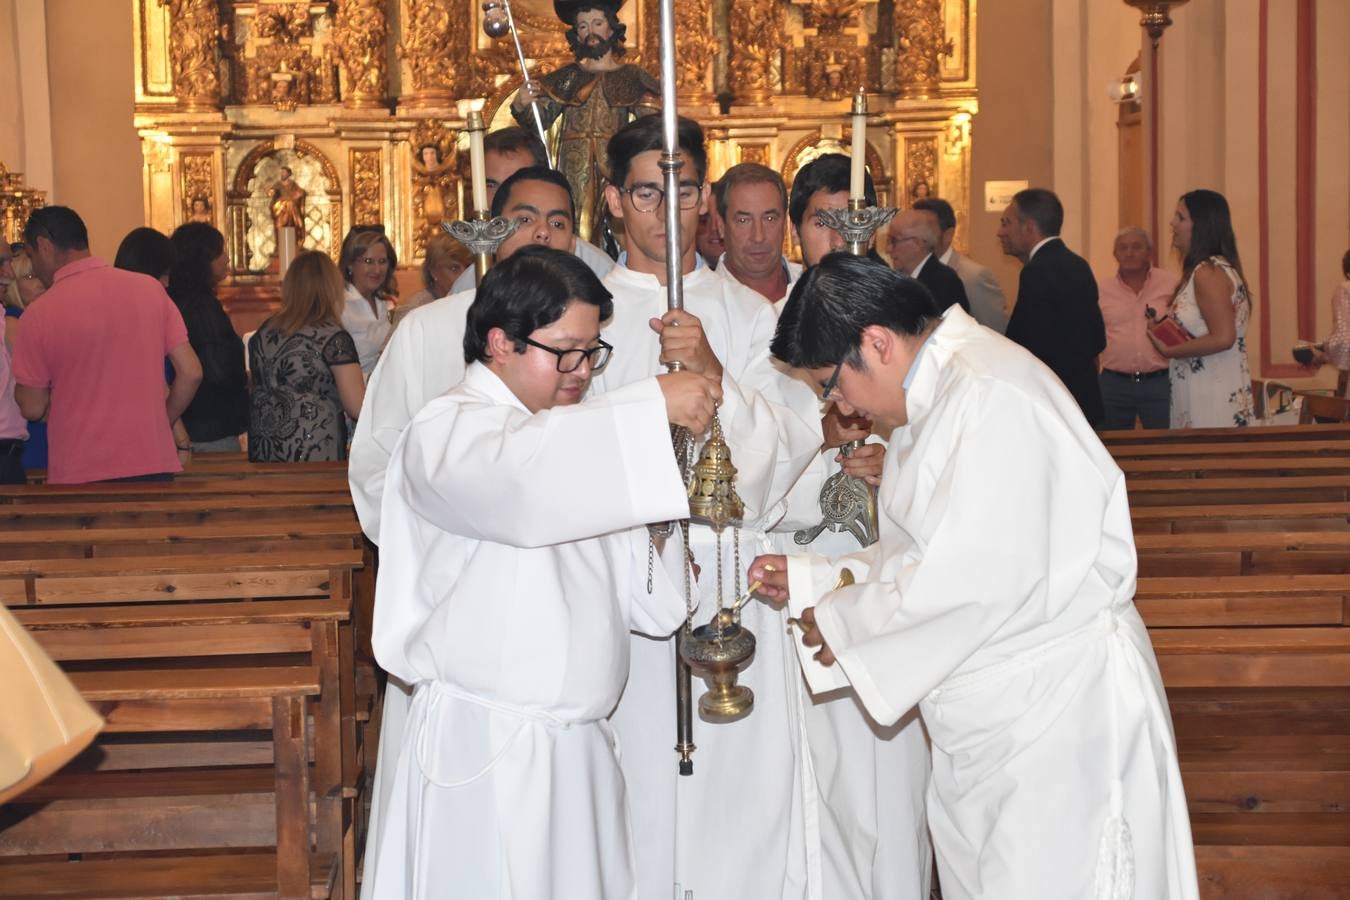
(644,134)
(619,29)
(1211,231)
(533,173)
(527,291)
(747,173)
(196,245)
(147,251)
(829,173)
(1042,208)
(58,224)
(514,140)
(946,216)
(357,241)
(823,320)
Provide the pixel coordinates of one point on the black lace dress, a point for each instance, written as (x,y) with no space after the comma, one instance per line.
(296,413)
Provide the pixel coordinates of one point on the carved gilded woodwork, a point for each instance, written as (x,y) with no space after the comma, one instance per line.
(921,42)
(17,202)
(285,61)
(697,44)
(755,153)
(921,167)
(435,180)
(361,35)
(756,28)
(367,187)
(198,187)
(194,52)
(833,65)
(434,46)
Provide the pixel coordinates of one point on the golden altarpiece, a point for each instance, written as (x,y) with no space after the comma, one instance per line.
(362,101)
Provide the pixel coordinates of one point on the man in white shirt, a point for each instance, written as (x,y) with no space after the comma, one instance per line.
(752,206)
(514,566)
(1002,605)
(987,303)
(737,827)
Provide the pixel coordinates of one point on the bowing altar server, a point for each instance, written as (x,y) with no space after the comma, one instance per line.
(999,598)
(514,564)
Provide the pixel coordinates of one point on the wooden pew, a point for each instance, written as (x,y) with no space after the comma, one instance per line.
(1243,538)
(225,565)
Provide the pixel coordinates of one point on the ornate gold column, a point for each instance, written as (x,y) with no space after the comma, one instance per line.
(360,35)
(16,203)
(756,40)
(434,51)
(194,53)
(920,42)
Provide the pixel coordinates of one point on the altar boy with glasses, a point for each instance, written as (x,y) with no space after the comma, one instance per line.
(515,562)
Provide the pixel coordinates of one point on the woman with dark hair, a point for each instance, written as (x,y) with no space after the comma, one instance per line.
(1211,381)
(367,262)
(147,251)
(305,371)
(218,414)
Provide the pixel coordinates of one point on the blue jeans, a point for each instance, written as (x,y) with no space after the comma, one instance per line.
(1124,398)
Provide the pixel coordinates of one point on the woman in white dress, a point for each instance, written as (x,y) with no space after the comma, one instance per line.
(1211,381)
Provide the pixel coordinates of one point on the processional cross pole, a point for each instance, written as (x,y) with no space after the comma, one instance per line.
(720,648)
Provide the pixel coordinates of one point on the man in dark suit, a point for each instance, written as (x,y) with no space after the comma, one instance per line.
(911,241)
(1056,317)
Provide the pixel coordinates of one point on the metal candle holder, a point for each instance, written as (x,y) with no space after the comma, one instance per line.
(482,235)
(849,503)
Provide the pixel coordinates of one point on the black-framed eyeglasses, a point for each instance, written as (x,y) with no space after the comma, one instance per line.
(829,387)
(570,360)
(647,197)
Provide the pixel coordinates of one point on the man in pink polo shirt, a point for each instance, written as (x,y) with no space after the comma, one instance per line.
(1134,377)
(90,359)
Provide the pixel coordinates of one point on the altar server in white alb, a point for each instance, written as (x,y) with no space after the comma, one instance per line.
(422,361)
(999,597)
(736,828)
(514,563)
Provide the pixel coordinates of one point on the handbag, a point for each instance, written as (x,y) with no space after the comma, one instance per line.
(44,722)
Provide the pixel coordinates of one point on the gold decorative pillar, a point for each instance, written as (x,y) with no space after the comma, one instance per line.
(697,45)
(434,51)
(756,43)
(367,188)
(920,43)
(194,53)
(435,180)
(361,34)
(16,203)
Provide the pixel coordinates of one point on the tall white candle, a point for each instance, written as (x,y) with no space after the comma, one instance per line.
(477,166)
(855,181)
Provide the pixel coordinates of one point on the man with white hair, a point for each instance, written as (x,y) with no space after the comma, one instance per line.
(987,303)
(1134,376)
(911,242)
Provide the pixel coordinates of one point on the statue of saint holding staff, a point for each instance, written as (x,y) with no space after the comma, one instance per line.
(595,97)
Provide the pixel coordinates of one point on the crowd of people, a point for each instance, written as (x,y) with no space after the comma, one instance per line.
(510,443)
(1140,345)
(543,450)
